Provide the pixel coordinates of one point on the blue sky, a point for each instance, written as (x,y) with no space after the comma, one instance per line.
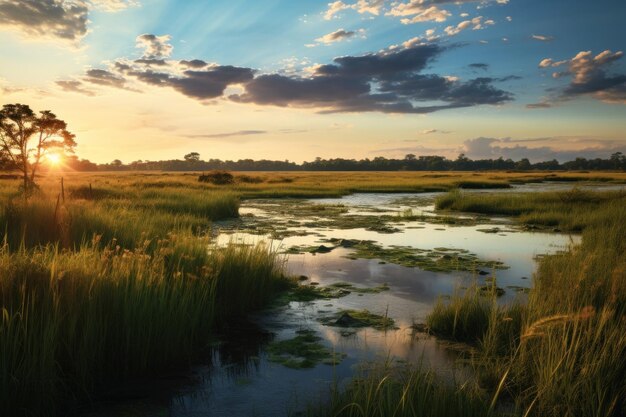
(490,78)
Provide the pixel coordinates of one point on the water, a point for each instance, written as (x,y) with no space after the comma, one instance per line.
(239,379)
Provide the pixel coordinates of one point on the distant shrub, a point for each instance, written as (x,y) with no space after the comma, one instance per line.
(279,180)
(249,179)
(217,178)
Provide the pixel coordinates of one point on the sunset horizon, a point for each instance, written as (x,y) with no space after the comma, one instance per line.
(157,80)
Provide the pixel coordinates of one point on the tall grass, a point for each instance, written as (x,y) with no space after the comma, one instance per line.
(108,285)
(386,391)
(568,356)
(569,210)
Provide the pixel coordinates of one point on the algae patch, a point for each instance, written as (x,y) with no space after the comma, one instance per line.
(302,351)
(436,260)
(359,318)
(311,292)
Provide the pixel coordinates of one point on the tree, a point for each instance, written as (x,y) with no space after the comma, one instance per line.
(25,138)
(192,157)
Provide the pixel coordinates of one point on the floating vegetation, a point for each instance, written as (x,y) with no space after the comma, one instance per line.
(359,318)
(519,289)
(296,217)
(312,292)
(491,290)
(436,260)
(303,351)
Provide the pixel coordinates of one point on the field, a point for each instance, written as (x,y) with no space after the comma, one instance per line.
(106,277)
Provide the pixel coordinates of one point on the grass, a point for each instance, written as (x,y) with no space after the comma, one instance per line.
(570,210)
(564,352)
(388,391)
(114,283)
(111,277)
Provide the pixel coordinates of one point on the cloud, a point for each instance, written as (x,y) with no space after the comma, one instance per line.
(334,8)
(415,11)
(73,86)
(568,148)
(194,63)
(475,24)
(362,6)
(54,19)
(199,84)
(113,5)
(104,78)
(431,131)
(418,11)
(212,82)
(228,134)
(339,35)
(589,77)
(542,38)
(46,18)
(479,66)
(154,47)
(387,81)
(540,105)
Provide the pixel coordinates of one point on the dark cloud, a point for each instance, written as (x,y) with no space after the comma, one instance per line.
(589,77)
(46,18)
(542,105)
(383,64)
(389,82)
(194,63)
(203,84)
(211,83)
(479,66)
(157,62)
(73,86)
(105,78)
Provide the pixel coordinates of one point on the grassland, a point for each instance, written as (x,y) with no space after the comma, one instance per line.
(563,353)
(110,283)
(113,276)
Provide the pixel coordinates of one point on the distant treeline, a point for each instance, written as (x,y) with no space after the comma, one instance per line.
(192,162)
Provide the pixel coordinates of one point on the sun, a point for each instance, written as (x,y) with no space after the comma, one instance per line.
(53,159)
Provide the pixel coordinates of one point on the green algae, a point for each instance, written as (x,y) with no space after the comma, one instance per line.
(312,292)
(359,318)
(303,351)
(436,260)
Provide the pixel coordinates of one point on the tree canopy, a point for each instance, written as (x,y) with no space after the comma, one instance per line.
(25,138)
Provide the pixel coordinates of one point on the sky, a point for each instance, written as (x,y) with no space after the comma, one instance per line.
(300,79)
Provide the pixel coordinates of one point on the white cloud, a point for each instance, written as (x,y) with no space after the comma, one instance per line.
(542,38)
(418,12)
(455,30)
(334,8)
(373,7)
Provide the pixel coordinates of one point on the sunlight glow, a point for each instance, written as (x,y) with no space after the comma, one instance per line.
(53,159)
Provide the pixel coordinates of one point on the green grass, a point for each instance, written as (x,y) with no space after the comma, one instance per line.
(388,391)
(564,352)
(113,283)
(567,210)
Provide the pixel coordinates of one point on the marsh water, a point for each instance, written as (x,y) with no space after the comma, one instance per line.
(319,241)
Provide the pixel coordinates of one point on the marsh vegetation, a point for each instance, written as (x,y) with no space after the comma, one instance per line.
(112,277)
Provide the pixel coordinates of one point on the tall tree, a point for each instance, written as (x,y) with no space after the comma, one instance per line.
(25,138)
